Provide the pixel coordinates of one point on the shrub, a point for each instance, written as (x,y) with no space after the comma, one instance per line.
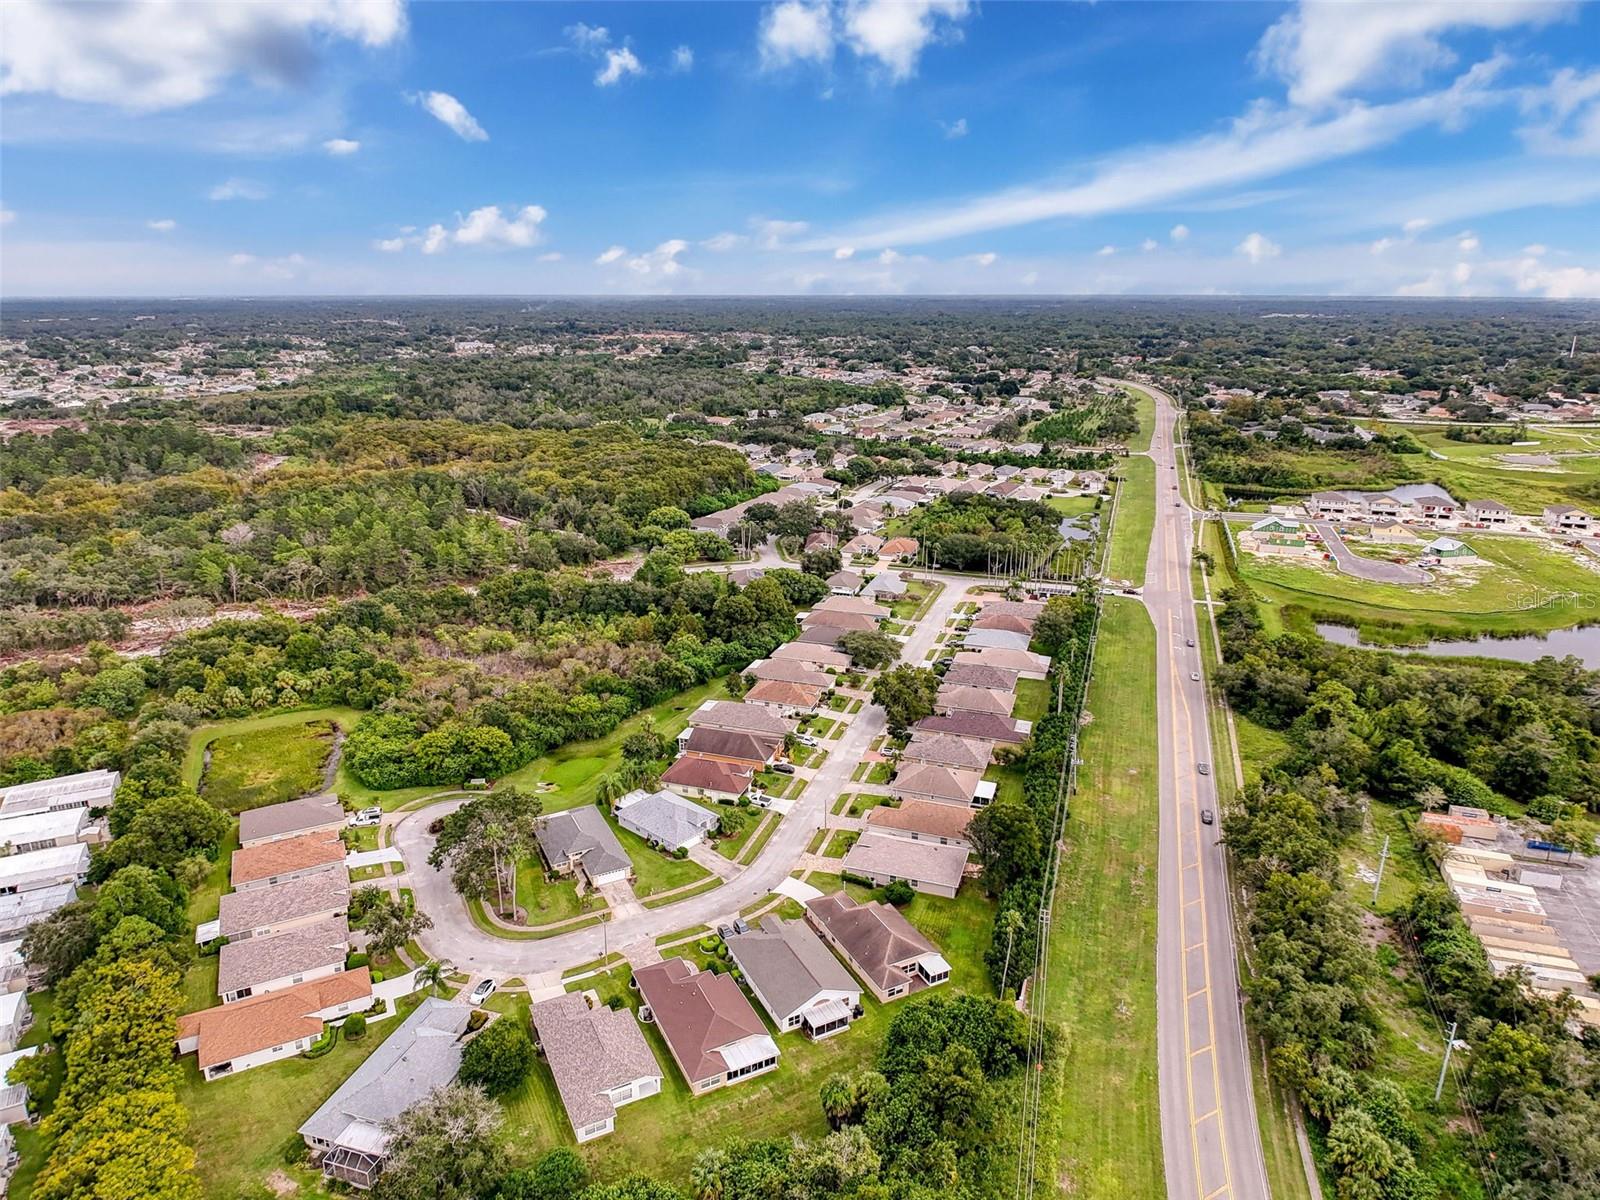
(681,852)
(899,893)
(355,1027)
(499,1058)
(355,961)
(614,1004)
(476,1021)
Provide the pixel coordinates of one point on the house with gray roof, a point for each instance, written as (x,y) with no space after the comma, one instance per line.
(995,639)
(599,1058)
(269,964)
(346,1135)
(262,912)
(928,866)
(581,839)
(664,818)
(797,979)
(272,822)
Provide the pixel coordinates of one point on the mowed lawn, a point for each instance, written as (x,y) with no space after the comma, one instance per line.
(1135,521)
(1522,585)
(241,1125)
(664,1133)
(1104,1135)
(1144,408)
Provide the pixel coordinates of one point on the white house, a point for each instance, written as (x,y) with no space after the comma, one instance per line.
(797,979)
(664,818)
(1565,518)
(14,1096)
(15,1017)
(599,1058)
(284,960)
(231,1038)
(39,869)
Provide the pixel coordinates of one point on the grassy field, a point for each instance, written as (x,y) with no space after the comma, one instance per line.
(1144,408)
(1521,586)
(241,1125)
(1073,506)
(267,766)
(1104,1137)
(1470,471)
(291,724)
(665,1132)
(1135,522)
(1033,699)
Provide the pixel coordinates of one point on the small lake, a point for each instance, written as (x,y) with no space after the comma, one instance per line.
(1583,644)
(1419,491)
(1072,530)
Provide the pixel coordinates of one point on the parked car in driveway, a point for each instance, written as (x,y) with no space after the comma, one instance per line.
(783,768)
(366,817)
(482,992)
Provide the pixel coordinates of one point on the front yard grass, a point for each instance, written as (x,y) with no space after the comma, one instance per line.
(654,871)
(840,843)
(545,901)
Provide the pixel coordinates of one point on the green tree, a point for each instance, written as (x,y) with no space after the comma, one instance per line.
(870,649)
(445,1147)
(906,694)
(557,1174)
(499,1058)
(1007,843)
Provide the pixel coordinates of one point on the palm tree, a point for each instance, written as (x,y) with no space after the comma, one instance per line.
(705,1177)
(495,837)
(431,976)
(838,1100)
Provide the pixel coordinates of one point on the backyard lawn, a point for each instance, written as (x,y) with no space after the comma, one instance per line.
(1033,700)
(1105,1137)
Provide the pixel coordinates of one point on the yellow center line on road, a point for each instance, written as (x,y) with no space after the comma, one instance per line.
(1205,942)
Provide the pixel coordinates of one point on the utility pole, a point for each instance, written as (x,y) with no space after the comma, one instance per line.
(1449,1045)
(1382,859)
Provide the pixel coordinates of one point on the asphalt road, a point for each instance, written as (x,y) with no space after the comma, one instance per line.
(455,939)
(1375,569)
(1211,1143)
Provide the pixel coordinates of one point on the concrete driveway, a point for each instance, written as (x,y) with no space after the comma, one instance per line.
(1351,563)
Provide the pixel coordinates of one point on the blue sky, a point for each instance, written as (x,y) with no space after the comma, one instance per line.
(858,146)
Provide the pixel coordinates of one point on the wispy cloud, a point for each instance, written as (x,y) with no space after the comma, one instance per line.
(954,129)
(161,225)
(620,63)
(341,147)
(453,114)
(237,189)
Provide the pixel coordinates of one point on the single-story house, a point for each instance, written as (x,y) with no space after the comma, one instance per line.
(14,1096)
(815,656)
(1395,534)
(665,818)
(599,1058)
(708,778)
(1029,609)
(796,978)
(953,698)
(1023,662)
(822,634)
(582,838)
(931,867)
(922,820)
(19,910)
(15,1017)
(1565,518)
(93,790)
(845,583)
(885,950)
(995,639)
(946,750)
(975,674)
(346,1136)
(729,714)
(264,911)
(231,1038)
(1005,622)
(293,818)
(930,781)
(786,697)
(270,964)
(901,547)
(51,867)
(716,1038)
(1445,547)
(756,750)
(886,584)
(846,604)
(267,863)
(841,623)
(13,967)
(23,833)
(821,539)
(788,671)
(976,727)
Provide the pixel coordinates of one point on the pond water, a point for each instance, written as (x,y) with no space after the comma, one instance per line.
(1582,643)
(1078,529)
(1420,491)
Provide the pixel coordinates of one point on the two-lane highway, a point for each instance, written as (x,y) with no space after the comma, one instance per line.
(1210,1140)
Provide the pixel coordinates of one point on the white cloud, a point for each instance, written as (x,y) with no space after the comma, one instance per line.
(794,31)
(1467,243)
(1462,272)
(987,259)
(1149,245)
(1565,115)
(588,37)
(1384,245)
(435,239)
(620,63)
(1257,248)
(341,147)
(154,54)
(1537,250)
(162,225)
(1179,233)
(1326,49)
(237,189)
(550,256)
(683,59)
(390,245)
(7,215)
(610,255)
(895,32)
(844,253)
(241,260)
(774,234)
(663,260)
(889,257)
(954,129)
(1105,251)
(1263,143)
(723,242)
(1415,226)
(1029,279)
(1532,276)
(454,115)
(487,227)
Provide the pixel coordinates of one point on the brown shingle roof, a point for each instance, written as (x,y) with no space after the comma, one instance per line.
(790,672)
(590,1052)
(698,1013)
(286,856)
(259,960)
(947,750)
(875,937)
(707,774)
(777,691)
(988,727)
(728,714)
(981,675)
(289,818)
(292,900)
(733,743)
(230,1031)
(926,817)
(901,545)
(1010,622)
(930,779)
